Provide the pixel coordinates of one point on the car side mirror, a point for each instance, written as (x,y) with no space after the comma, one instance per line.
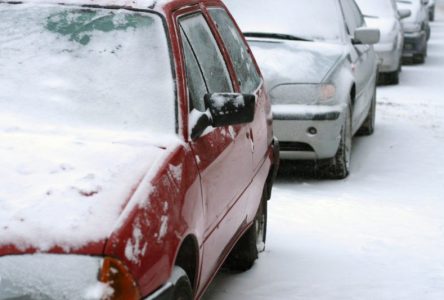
(224,109)
(366,36)
(425,2)
(404,13)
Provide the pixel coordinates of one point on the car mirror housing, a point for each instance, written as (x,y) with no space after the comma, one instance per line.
(224,109)
(230,108)
(404,13)
(366,36)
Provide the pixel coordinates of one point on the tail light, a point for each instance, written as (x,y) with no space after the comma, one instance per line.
(116,275)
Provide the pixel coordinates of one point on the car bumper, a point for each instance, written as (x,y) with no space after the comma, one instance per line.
(308,132)
(414,44)
(389,60)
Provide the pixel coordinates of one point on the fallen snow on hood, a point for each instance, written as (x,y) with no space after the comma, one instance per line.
(67,189)
(295,62)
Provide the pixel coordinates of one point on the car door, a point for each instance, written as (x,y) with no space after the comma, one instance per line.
(363,60)
(223,155)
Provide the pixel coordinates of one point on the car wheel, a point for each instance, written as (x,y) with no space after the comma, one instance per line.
(182,285)
(419,58)
(393,78)
(339,166)
(246,251)
(432,15)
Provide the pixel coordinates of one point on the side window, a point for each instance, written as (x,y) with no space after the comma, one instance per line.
(207,53)
(247,75)
(196,83)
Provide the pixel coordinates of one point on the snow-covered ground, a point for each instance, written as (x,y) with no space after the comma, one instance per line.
(379,234)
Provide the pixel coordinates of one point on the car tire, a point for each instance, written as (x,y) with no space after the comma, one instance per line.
(419,58)
(247,249)
(339,166)
(368,127)
(432,15)
(393,78)
(182,285)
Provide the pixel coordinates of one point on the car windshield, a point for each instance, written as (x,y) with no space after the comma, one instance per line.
(101,68)
(310,20)
(377,8)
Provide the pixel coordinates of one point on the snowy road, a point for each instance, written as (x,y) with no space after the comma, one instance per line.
(379,234)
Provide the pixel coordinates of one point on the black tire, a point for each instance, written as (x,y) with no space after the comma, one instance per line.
(368,127)
(419,59)
(182,285)
(432,15)
(247,249)
(339,166)
(393,78)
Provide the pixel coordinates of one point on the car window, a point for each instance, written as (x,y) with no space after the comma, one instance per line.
(86,67)
(352,15)
(244,66)
(207,53)
(196,84)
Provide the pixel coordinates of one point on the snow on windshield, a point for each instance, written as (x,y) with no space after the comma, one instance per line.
(314,19)
(377,8)
(100,68)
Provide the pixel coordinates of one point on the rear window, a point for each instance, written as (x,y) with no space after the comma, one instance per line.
(101,68)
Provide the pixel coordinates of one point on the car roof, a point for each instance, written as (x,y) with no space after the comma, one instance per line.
(158,5)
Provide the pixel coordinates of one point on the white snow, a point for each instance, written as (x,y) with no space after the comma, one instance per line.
(140,4)
(103,76)
(380,233)
(69,277)
(81,124)
(55,187)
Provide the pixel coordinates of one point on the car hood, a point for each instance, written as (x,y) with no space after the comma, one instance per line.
(67,189)
(294,61)
(385,25)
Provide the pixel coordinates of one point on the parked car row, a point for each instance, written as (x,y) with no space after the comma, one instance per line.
(141,139)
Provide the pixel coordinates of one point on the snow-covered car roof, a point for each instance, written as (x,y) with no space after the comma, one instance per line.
(136,4)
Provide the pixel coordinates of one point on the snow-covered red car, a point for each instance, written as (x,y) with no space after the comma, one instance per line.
(136,154)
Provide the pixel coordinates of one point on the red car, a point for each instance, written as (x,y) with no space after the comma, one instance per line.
(136,153)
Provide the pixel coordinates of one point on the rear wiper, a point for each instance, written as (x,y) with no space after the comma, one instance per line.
(279,36)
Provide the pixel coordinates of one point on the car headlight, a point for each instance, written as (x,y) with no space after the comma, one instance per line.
(412,27)
(115,275)
(302,93)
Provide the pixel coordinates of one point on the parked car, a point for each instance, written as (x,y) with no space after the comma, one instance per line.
(321,72)
(431,7)
(383,14)
(136,149)
(416,30)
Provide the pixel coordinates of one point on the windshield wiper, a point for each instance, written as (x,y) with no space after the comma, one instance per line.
(278,36)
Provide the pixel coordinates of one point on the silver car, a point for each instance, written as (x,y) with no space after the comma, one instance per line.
(383,14)
(416,30)
(321,73)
